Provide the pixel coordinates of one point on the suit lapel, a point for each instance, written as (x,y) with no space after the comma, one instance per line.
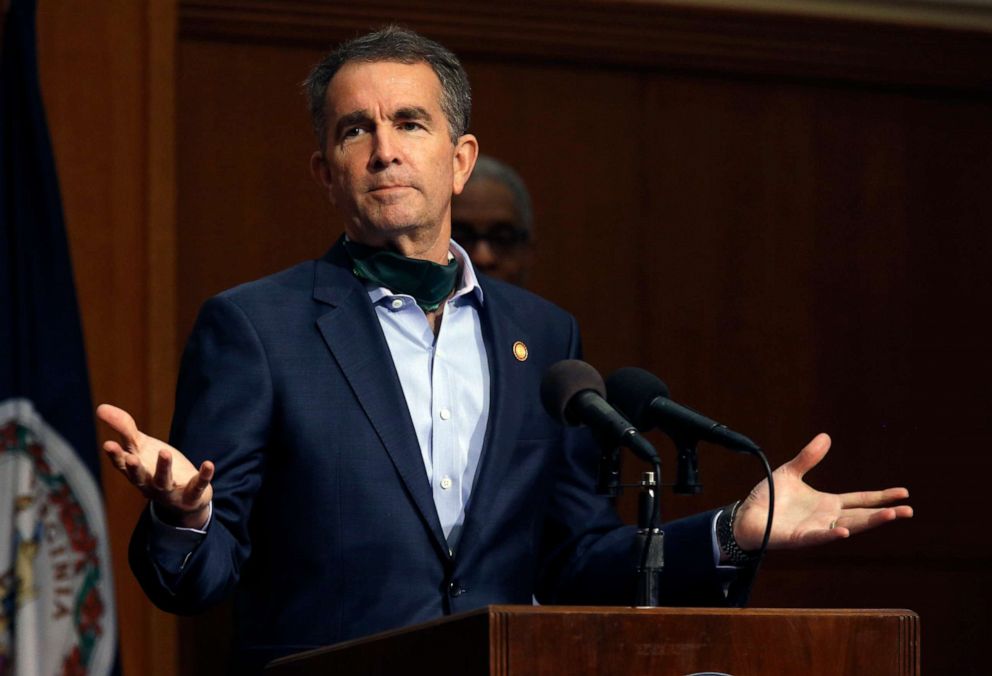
(355,339)
(499,332)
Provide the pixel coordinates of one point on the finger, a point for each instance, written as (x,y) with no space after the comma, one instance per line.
(199,483)
(115,453)
(809,457)
(822,536)
(873,498)
(861,520)
(163,471)
(136,474)
(120,420)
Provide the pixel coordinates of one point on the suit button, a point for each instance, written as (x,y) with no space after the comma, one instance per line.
(454,589)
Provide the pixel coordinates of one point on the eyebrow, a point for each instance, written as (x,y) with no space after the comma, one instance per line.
(411,113)
(363,117)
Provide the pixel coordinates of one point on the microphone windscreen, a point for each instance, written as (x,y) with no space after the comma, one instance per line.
(563,381)
(631,390)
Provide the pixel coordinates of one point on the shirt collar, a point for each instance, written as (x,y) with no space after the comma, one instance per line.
(467,284)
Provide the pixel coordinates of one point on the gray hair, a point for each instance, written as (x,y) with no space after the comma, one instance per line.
(488,167)
(401,45)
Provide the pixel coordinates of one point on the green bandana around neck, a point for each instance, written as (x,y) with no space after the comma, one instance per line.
(429,283)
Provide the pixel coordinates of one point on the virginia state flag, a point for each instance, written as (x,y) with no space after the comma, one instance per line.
(56,593)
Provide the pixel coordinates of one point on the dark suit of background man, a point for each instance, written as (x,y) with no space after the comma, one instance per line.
(369,446)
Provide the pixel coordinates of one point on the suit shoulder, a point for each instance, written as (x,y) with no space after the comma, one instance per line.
(524,304)
(279,287)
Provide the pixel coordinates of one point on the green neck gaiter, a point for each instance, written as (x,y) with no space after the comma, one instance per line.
(428,282)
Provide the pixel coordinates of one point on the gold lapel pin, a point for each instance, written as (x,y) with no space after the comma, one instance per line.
(520,350)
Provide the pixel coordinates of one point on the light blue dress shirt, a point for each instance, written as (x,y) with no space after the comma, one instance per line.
(445,381)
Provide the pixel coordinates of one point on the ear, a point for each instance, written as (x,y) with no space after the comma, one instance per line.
(466,152)
(321,172)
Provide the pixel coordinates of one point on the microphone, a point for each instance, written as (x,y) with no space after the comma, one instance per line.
(643,398)
(573,393)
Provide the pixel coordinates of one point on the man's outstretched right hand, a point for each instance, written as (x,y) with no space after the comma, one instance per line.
(165,476)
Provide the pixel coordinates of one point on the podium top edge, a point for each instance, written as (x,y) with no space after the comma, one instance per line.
(624,610)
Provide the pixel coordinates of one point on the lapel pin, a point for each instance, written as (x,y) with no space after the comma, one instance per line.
(520,350)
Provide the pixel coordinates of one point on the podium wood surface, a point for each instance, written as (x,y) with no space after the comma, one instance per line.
(533,640)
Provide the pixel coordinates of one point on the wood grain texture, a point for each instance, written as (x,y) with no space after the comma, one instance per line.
(621,641)
(628,33)
(107,82)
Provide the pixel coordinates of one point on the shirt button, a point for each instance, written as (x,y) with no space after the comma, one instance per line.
(397,303)
(444,413)
(446,482)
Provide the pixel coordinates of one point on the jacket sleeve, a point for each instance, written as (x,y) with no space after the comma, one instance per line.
(223,413)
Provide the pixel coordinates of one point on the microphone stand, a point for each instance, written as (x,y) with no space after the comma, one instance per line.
(687,469)
(609,474)
(650,538)
(651,541)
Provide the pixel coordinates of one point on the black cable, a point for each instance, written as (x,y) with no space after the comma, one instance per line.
(771,509)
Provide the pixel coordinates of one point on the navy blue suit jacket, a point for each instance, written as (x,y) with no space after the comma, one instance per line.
(323,520)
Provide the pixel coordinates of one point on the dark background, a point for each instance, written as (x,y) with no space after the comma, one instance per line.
(786,217)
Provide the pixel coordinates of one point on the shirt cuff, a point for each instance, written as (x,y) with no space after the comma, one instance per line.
(171,546)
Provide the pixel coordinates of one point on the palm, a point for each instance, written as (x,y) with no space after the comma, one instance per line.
(805,516)
(159,471)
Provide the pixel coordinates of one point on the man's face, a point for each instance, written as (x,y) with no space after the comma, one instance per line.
(485,221)
(389,164)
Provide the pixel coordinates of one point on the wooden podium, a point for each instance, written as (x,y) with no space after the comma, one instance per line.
(593,641)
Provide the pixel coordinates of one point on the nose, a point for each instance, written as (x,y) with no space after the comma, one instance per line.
(385,149)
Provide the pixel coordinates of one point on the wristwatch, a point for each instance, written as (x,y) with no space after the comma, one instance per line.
(725,537)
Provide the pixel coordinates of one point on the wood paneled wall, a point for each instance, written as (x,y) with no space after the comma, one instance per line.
(107,72)
(785,217)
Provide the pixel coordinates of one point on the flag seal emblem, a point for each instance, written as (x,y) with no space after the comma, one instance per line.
(54,566)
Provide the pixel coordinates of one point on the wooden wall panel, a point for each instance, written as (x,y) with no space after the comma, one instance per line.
(829,245)
(795,244)
(107,82)
(785,216)
(247,203)
(770,248)
(585,173)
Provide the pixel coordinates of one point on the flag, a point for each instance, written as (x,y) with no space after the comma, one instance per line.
(56,592)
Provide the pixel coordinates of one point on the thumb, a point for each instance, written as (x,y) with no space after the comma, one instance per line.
(120,420)
(809,457)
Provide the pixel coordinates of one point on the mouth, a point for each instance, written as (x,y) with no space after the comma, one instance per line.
(388,188)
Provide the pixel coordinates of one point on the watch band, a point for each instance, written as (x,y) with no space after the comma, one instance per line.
(725,537)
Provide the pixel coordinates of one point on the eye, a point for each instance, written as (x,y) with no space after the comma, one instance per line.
(352,132)
(410,126)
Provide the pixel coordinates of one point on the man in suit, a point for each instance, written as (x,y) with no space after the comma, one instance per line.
(363,445)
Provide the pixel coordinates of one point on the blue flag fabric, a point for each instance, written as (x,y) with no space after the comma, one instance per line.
(56,592)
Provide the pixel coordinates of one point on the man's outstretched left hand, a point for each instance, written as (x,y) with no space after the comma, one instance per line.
(805,516)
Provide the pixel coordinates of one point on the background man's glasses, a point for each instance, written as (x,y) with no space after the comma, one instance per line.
(501,238)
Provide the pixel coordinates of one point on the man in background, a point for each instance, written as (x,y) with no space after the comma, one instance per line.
(493,219)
